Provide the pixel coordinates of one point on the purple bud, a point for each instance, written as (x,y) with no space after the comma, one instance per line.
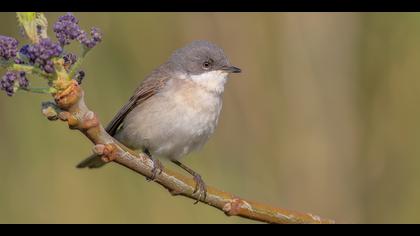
(96,34)
(7,83)
(23,81)
(80,76)
(8,47)
(48,67)
(19,61)
(70,59)
(24,50)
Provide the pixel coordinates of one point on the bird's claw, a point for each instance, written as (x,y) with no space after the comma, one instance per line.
(157,169)
(200,188)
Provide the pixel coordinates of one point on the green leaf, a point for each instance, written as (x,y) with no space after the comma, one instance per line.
(34,25)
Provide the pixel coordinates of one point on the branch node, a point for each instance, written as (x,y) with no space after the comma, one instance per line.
(107,151)
(64,116)
(98,149)
(234,206)
(71,120)
(90,120)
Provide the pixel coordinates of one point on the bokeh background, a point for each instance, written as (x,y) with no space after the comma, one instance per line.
(325,118)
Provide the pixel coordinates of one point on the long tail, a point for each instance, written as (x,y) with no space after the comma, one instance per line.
(93,161)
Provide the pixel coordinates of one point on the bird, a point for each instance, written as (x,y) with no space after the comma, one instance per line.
(175,109)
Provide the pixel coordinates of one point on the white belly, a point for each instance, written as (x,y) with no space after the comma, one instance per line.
(172,124)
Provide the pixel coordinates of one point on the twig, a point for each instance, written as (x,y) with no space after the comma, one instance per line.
(70,106)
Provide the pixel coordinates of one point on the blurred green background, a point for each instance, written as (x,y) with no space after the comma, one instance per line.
(325,118)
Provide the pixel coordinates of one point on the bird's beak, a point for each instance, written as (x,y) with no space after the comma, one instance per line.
(231,69)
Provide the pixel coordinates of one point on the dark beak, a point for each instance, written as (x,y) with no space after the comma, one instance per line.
(231,69)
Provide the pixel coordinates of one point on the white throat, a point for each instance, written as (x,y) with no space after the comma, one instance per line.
(213,81)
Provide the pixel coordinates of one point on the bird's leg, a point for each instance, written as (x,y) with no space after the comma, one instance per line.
(157,165)
(200,186)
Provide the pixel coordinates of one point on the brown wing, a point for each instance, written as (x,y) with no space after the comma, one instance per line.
(147,89)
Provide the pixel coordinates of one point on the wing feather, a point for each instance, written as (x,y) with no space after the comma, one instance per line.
(149,87)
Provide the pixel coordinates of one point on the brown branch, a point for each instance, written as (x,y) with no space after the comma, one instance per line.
(70,106)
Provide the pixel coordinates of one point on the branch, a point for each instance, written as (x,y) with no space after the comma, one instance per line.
(70,106)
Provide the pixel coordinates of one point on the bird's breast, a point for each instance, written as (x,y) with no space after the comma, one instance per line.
(199,107)
(174,122)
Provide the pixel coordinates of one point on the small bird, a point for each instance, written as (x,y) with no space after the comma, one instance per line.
(175,109)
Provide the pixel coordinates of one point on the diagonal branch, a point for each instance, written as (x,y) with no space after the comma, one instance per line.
(70,106)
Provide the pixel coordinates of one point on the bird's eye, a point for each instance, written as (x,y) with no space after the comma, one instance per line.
(206,65)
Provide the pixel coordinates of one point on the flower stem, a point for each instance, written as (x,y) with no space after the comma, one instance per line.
(30,70)
(40,90)
(76,66)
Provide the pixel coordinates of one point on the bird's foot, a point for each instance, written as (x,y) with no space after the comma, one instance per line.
(200,188)
(156,170)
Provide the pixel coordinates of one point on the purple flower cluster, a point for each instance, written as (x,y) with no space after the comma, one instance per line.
(8,47)
(67,29)
(90,43)
(11,80)
(41,54)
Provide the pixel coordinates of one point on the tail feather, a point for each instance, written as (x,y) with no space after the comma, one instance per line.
(93,161)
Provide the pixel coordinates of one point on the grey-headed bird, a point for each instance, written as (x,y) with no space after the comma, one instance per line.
(175,109)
